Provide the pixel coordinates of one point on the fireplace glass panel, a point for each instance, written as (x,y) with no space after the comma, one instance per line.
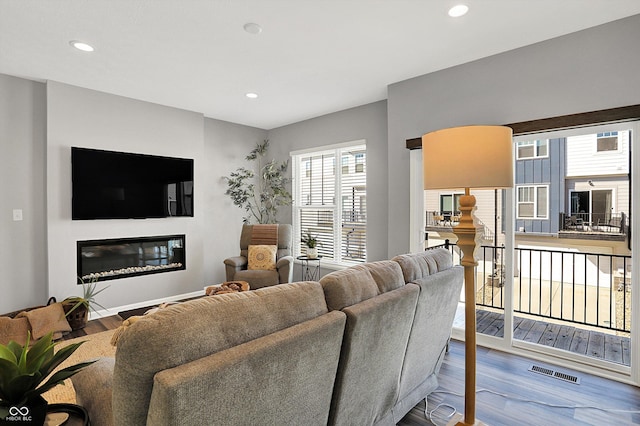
(125,257)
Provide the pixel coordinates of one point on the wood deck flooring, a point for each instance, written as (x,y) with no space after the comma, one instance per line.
(594,344)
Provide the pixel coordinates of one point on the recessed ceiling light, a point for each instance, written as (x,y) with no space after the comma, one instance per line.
(81,46)
(251,95)
(458,11)
(252,28)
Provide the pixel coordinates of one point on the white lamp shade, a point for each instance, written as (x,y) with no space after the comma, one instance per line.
(468,157)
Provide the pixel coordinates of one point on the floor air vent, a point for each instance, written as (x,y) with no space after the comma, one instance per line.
(555,374)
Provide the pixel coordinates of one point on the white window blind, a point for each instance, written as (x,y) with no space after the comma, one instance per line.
(330,202)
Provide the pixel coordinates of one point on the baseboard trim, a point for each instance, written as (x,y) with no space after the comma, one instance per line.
(114,311)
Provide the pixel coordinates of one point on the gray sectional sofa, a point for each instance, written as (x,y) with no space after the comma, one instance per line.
(361,347)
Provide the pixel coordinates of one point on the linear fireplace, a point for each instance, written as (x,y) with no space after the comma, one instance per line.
(127,257)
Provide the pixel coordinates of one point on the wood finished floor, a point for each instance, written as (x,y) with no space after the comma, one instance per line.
(508,375)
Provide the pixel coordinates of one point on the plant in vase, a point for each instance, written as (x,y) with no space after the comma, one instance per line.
(263,191)
(312,245)
(77,308)
(22,373)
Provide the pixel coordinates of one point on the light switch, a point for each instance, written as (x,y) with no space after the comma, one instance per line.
(17,214)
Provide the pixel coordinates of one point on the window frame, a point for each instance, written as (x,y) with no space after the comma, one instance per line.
(618,147)
(359,150)
(534,192)
(536,147)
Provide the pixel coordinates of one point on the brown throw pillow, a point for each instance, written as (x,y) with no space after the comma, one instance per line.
(262,257)
(13,329)
(44,320)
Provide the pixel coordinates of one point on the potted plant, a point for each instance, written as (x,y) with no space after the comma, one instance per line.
(260,194)
(22,373)
(311,242)
(77,308)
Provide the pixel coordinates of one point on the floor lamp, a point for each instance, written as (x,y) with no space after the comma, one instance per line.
(478,157)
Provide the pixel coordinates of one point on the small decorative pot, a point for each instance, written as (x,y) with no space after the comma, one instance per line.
(78,318)
(33,412)
(312,253)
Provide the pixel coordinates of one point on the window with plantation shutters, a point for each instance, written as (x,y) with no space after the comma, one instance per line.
(330,201)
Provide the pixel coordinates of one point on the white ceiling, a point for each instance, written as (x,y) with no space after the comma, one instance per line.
(313,56)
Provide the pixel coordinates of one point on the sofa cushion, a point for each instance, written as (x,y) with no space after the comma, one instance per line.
(262,257)
(284,378)
(386,273)
(348,287)
(418,265)
(195,329)
(373,350)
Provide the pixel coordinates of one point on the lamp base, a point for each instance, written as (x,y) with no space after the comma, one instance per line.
(458,420)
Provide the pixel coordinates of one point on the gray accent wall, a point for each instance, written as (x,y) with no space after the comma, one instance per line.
(368,122)
(584,71)
(23,244)
(225,147)
(39,122)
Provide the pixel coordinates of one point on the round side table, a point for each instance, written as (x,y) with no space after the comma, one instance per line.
(310,268)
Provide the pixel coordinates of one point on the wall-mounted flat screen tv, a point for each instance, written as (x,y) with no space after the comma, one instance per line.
(119,185)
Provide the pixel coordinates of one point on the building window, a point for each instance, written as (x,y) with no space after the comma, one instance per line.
(330,204)
(533,202)
(450,203)
(607,141)
(533,149)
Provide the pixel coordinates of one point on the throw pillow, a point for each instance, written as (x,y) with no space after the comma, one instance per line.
(13,329)
(44,320)
(262,257)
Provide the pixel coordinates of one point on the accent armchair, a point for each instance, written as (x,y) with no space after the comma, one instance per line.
(237,267)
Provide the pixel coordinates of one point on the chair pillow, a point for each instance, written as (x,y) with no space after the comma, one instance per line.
(262,257)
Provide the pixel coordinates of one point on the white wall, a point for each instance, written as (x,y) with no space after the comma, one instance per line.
(23,253)
(562,76)
(366,122)
(583,159)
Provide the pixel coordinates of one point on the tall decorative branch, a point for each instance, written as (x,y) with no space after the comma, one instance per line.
(263,191)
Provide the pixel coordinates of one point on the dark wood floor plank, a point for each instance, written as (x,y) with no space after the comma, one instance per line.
(612,348)
(524,326)
(595,348)
(535,334)
(564,338)
(580,342)
(550,335)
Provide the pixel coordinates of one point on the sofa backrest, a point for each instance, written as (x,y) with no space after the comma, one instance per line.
(440,285)
(184,335)
(380,309)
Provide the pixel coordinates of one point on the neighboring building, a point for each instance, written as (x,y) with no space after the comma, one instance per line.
(571,194)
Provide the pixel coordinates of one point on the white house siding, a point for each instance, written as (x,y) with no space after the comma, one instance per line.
(584,160)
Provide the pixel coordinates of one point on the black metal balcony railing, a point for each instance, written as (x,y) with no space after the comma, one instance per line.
(591,289)
(613,223)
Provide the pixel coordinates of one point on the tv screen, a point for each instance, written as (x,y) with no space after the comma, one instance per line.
(119,185)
